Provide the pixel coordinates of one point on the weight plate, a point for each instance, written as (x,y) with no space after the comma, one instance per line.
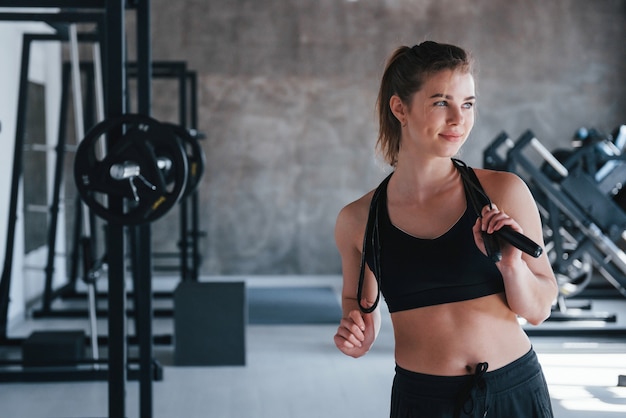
(144,164)
(195,157)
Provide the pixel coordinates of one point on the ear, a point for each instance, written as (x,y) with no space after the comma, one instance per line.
(398,109)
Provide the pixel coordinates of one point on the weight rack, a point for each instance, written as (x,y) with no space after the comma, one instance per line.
(109,18)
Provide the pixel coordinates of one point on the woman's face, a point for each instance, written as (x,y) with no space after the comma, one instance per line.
(441,114)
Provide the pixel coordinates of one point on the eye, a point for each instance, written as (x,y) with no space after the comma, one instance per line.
(441,103)
(468,105)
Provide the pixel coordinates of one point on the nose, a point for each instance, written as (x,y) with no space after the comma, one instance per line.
(455,116)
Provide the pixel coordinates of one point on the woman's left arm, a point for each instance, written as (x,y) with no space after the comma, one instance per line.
(530,285)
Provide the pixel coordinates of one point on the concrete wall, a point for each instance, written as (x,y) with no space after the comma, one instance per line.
(287,90)
(288,87)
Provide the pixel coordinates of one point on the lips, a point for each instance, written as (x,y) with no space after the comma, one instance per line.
(451,136)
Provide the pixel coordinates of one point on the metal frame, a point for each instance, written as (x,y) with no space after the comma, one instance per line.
(189,236)
(18,156)
(188,118)
(110,20)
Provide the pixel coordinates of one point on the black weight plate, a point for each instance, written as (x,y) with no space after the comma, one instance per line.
(148,191)
(195,156)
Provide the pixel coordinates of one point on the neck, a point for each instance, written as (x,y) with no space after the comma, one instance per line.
(424,179)
(425,172)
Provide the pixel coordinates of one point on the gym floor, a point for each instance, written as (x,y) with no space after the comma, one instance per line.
(294,371)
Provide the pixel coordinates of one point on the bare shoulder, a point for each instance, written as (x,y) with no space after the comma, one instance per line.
(505,189)
(351,221)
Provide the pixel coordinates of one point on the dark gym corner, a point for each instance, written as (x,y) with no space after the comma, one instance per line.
(230,309)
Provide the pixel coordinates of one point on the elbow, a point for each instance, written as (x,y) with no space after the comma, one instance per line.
(539,318)
(539,315)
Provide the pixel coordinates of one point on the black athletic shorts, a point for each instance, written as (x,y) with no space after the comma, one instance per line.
(517,390)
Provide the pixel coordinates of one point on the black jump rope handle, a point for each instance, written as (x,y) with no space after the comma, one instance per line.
(514,238)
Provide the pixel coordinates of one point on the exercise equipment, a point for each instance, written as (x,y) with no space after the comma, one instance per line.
(61,148)
(54,344)
(86,241)
(188,252)
(147,167)
(578,192)
(189,139)
(85,225)
(117,368)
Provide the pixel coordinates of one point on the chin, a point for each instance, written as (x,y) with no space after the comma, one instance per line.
(452,152)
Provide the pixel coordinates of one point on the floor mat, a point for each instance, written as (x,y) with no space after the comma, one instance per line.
(292,305)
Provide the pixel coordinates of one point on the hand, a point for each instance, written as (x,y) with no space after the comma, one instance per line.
(355,334)
(492,220)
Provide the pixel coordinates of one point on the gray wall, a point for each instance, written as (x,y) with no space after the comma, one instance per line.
(287,93)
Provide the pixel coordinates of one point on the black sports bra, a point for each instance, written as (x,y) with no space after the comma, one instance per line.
(413,272)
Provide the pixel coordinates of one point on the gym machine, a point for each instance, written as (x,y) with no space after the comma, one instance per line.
(581,201)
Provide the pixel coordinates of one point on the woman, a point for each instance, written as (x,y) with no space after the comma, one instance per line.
(459,348)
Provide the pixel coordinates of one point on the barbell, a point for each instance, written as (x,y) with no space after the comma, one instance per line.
(141,160)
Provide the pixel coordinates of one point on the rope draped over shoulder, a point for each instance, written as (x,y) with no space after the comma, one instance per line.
(473,188)
(371,230)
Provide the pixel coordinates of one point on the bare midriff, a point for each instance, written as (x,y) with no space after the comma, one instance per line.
(452,338)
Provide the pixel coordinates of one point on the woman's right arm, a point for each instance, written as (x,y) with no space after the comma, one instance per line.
(357,331)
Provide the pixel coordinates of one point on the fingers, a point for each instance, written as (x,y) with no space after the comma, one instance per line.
(494,219)
(357,319)
(351,331)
